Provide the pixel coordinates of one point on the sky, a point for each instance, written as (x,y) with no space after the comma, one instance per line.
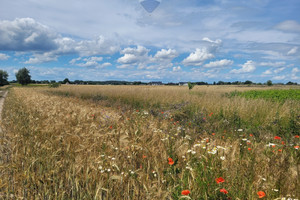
(181,40)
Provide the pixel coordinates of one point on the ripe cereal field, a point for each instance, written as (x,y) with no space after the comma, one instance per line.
(150,142)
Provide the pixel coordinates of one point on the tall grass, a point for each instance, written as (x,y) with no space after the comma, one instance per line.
(114,143)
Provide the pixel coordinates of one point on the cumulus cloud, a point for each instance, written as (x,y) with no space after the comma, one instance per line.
(219,63)
(134,56)
(165,55)
(289,25)
(295,70)
(198,57)
(248,67)
(4,56)
(42,58)
(26,34)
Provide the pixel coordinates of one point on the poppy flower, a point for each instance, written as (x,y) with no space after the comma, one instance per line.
(144,156)
(111,127)
(261,194)
(249,149)
(220,180)
(251,135)
(297,136)
(296,147)
(171,161)
(224,191)
(213,133)
(185,192)
(283,143)
(277,138)
(210,114)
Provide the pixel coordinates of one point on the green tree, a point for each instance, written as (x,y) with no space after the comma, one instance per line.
(269,83)
(65,81)
(3,78)
(191,85)
(23,76)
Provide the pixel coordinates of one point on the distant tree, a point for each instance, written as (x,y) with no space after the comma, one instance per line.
(248,82)
(3,78)
(23,76)
(269,83)
(65,81)
(291,83)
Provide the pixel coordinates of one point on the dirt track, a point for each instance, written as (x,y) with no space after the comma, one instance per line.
(2,97)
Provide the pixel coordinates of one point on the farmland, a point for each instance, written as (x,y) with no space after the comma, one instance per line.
(150,142)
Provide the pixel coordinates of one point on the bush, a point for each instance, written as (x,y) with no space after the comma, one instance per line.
(54,85)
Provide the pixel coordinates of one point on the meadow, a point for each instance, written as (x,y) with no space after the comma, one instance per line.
(150,142)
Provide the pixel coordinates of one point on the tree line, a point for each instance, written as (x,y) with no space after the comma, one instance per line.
(23,77)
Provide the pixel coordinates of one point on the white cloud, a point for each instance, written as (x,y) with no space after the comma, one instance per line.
(26,34)
(278,70)
(278,78)
(176,69)
(267,72)
(295,70)
(198,57)
(272,64)
(165,55)
(90,62)
(289,25)
(134,56)
(42,58)
(248,67)
(4,56)
(292,51)
(219,63)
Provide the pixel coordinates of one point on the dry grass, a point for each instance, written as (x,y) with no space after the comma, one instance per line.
(107,142)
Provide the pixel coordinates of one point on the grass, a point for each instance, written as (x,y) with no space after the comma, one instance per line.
(106,142)
(275,95)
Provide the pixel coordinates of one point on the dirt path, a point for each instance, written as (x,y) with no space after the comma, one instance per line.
(2,97)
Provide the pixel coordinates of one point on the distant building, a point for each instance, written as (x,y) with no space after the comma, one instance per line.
(156,83)
(183,83)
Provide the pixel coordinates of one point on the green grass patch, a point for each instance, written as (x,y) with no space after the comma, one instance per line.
(274,95)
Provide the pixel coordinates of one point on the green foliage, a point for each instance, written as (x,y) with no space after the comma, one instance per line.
(23,76)
(3,78)
(54,85)
(269,83)
(191,85)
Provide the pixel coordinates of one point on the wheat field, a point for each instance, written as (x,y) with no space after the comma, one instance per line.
(148,142)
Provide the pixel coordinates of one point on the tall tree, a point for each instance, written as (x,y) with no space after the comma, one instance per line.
(23,76)
(3,78)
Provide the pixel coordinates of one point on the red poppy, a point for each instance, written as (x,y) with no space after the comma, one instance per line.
(277,138)
(283,142)
(111,127)
(220,180)
(185,192)
(162,112)
(213,133)
(296,147)
(251,135)
(171,161)
(211,114)
(297,136)
(144,156)
(224,191)
(249,149)
(280,150)
(261,194)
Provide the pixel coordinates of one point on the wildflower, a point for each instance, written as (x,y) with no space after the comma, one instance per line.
(280,150)
(296,147)
(220,180)
(277,138)
(249,149)
(144,156)
(261,194)
(162,112)
(283,143)
(240,130)
(251,135)
(296,136)
(210,114)
(223,191)
(111,127)
(213,133)
(171,161)
(222,157)
(185,192)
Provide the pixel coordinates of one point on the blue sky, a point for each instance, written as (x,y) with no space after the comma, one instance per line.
(182,40)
